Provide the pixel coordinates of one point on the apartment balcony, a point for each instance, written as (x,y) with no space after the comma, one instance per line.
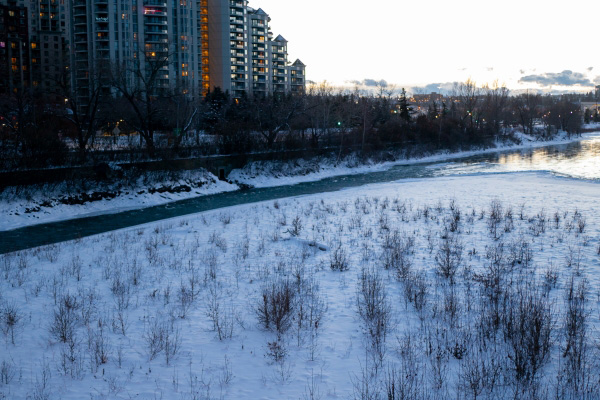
(156,48)
(154,12)
(156,30)
(235,3)
(156,39)
(155,22)
(80,15)
(155,3)
(79,12)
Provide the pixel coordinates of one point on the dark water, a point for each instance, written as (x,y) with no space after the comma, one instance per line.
(579,160)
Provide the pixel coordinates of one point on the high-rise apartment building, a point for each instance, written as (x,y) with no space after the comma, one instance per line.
(15,65)
(259,37)
(244,57)
(192,46)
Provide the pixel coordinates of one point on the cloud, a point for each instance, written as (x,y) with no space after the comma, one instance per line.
(590,69)
(443,88)
(369,82)
(565,78)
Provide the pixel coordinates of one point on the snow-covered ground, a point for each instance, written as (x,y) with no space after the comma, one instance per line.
(471,262)
(40,204)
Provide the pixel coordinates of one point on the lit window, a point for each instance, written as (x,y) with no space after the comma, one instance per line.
(184,73)
(33,45)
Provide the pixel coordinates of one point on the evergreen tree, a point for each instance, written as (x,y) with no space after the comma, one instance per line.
(405,109)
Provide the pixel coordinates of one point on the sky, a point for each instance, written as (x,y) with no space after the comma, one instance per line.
(428,44)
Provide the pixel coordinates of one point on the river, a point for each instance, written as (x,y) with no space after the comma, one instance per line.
(576,160)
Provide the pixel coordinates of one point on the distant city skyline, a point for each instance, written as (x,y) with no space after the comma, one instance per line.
(522,44)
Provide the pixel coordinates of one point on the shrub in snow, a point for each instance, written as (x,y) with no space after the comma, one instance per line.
(374,310)
(222,316)
(275,305)
(65,319)
(9,318)
(528,331)
(338,260)
(449,257)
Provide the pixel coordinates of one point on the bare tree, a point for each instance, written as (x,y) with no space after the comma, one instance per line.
(527,107)
(84,114)
(141,88)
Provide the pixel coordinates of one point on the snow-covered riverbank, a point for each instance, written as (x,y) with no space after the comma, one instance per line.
(33,205)
(172,309)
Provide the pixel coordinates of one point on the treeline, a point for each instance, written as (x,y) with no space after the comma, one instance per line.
(36,129)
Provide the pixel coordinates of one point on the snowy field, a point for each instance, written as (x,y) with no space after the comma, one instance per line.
(462,287)
(24,206)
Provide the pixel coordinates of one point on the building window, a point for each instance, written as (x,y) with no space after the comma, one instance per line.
(33,45)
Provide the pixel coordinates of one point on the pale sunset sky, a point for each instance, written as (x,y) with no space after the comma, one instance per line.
(524,44)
